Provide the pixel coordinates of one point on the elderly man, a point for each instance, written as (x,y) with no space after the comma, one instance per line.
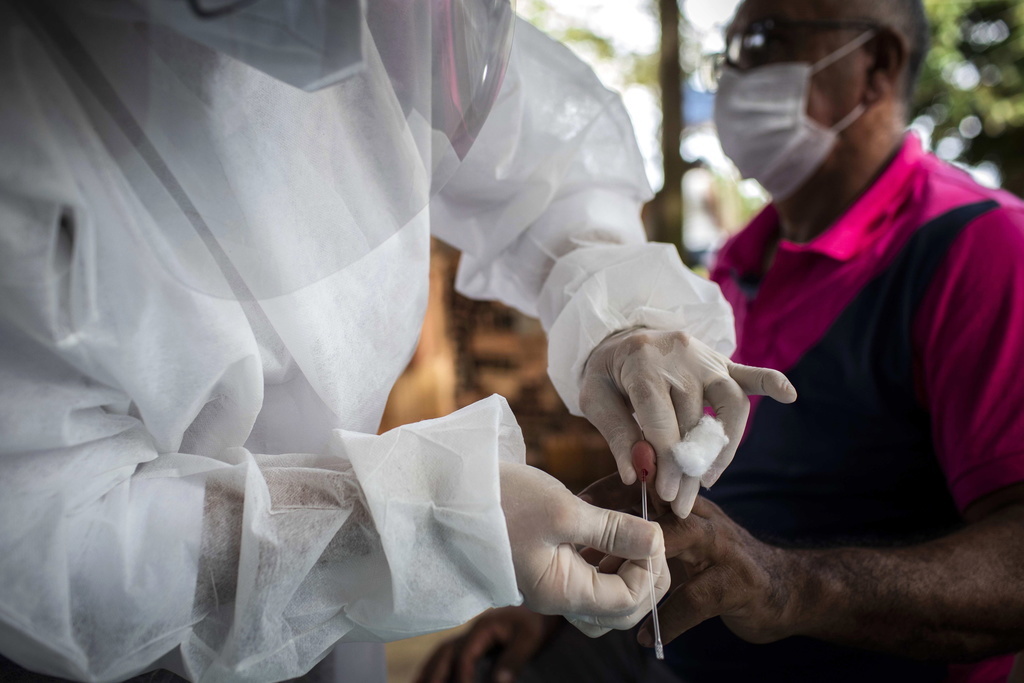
(874,531)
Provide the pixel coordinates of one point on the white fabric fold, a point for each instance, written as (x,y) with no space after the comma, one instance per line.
(184,471)
(593,293)
(546,210)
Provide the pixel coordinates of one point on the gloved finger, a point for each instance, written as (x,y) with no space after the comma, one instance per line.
(666,486)
(610,493)
(694,602)
(481,638)
(587,628)
(438,668)
(763,382)
(593,594)
(633,573)
(605,407)
(651,399)
(614,533)
(688,404)
(689,487)
(732,408)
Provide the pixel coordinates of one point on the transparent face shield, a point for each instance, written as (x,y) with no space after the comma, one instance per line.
(262,146)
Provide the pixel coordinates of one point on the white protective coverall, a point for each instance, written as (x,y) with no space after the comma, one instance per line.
(144,424)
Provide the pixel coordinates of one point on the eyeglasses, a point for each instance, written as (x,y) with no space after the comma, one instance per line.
(769,41)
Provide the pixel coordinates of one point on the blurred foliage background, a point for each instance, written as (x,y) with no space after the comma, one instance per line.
(971,98)
(969,108)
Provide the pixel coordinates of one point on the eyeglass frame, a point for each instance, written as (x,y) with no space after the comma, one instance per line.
(713,64)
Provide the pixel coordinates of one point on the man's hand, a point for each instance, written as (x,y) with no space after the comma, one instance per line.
(514,634)
(718,569)
(725,572)
(956,598)
(666,379)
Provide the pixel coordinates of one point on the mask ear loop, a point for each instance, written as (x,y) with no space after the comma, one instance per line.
(826,62)
(848,120)
(831,59)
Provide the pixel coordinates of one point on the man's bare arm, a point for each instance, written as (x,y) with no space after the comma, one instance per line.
(957,598)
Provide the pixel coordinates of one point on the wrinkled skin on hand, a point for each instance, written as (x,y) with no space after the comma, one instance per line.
(718,569)
(666,379)
(516,634)
(725,572)
(546,523)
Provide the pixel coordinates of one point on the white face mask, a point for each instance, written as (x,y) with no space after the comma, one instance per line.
(762,121)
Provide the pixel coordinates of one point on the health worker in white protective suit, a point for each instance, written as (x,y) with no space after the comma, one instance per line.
(214,240)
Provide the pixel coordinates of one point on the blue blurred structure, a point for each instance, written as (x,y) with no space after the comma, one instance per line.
(698,105)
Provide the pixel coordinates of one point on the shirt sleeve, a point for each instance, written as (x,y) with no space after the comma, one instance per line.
(969,341)
(546,211)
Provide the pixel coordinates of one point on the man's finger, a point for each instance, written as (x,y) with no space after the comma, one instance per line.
(644,460)
(689,537)
(732,408)
(616,533)
(696,601)
(705,509)
(763,382)
(605,407)
(517,653)
(438,668)
(475,644)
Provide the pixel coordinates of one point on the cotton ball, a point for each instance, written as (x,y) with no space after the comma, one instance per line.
(698,450)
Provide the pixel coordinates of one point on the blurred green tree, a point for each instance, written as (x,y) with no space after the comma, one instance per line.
(971,97)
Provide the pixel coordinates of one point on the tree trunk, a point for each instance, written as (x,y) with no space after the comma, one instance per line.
(666,212)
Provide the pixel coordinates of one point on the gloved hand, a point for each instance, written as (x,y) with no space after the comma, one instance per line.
(545,523)
(666,379)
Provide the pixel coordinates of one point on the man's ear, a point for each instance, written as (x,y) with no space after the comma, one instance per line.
(886,75)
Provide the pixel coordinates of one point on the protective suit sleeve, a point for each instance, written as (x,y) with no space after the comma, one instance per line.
(546,211)
(133,525)
(251,566)
(116,550)
(244,567)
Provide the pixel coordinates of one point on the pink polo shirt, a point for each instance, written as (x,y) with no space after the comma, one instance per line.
(967,340)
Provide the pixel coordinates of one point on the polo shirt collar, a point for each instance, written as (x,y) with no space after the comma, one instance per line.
(854,231)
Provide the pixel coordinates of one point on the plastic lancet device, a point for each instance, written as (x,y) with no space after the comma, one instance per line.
(659,648)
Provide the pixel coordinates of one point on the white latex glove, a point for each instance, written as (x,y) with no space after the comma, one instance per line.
(545,524)
(666,379)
